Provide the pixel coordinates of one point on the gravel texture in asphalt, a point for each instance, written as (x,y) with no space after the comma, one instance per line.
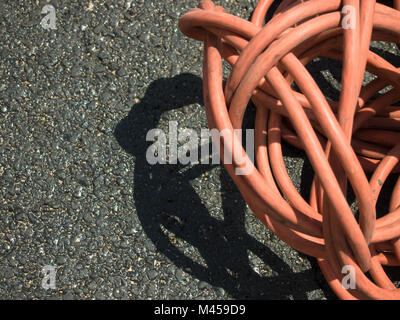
(76,191)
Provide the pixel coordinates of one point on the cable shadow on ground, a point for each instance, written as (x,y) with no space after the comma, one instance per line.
(165,200)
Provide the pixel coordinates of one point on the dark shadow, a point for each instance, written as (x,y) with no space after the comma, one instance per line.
(165,199)
(334,69)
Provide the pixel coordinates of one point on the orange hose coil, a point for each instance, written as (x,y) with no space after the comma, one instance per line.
(343,140)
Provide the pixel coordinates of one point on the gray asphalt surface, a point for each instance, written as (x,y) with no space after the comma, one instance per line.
(76,191)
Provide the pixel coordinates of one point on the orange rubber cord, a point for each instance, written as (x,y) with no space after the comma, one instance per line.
(344,140)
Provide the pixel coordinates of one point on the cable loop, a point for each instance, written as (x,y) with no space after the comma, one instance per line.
(353,142)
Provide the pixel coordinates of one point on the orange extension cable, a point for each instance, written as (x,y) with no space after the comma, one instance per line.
(343,140)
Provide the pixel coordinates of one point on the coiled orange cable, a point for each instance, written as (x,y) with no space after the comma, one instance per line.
(343,140)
